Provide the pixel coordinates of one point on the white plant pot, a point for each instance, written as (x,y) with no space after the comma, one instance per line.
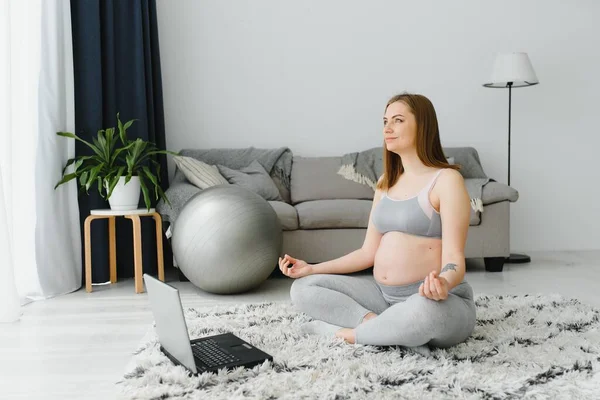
(125,196)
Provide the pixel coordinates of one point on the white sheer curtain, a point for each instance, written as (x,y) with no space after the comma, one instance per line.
(39,227)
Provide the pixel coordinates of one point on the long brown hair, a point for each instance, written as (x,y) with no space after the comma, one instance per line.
(429,147)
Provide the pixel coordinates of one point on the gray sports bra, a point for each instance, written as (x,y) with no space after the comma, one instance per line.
(415,216)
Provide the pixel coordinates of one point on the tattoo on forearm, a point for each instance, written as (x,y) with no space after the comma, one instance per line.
(449,267)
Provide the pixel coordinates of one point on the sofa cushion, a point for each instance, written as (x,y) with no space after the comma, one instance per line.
(199,173)
(254,178)
(346,213)
(316,178)
(277,161)
(288,217)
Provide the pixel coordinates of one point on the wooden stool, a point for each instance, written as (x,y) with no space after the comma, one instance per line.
(134,216)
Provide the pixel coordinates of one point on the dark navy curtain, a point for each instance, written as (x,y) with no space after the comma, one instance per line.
(117,69)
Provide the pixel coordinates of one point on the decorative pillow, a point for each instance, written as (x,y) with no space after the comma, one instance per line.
(199,173)
(254,178)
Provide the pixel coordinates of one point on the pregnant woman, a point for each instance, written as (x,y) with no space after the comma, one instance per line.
(415,243)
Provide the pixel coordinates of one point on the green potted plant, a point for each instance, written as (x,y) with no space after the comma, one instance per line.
(118,168)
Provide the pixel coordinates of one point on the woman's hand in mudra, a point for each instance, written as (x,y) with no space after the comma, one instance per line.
(293,267)
(434,287)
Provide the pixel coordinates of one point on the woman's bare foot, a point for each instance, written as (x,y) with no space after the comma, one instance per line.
(347,334)
(369,316)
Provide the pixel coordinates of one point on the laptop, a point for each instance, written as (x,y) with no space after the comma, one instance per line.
(206,354)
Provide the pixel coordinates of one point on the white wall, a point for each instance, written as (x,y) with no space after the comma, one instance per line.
(315,76)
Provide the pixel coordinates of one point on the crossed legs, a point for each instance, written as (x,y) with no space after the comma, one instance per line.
(338,303)
(337,299)
(353,308)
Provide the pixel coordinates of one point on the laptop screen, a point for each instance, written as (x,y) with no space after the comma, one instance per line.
(170,322)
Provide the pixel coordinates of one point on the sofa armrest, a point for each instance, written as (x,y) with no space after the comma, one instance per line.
(491,238)
(178,194)
(495,192)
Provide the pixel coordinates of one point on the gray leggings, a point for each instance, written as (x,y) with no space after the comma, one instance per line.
(404,316)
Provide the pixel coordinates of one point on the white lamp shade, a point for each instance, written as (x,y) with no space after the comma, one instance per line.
(512,67)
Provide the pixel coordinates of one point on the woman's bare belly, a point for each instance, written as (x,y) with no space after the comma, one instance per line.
(403,258)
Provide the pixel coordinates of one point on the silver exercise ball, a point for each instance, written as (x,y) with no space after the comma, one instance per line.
(227,239)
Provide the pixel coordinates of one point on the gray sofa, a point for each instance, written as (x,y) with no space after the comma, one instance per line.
(325,215)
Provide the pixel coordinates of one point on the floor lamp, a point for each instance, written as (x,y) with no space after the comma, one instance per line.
(512,70)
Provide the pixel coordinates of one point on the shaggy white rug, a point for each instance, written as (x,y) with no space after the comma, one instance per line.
(534,347)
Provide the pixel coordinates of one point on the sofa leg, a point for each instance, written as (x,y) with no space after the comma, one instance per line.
(494,264)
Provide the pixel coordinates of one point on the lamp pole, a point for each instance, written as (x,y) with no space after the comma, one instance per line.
(512,69)
(513,258)
(509,84)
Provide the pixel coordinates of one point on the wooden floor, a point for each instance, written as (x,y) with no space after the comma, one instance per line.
(77,346)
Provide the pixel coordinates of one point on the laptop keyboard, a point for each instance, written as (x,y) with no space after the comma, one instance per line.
(212,354)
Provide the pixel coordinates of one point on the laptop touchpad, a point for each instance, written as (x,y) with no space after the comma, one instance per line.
(241,346)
